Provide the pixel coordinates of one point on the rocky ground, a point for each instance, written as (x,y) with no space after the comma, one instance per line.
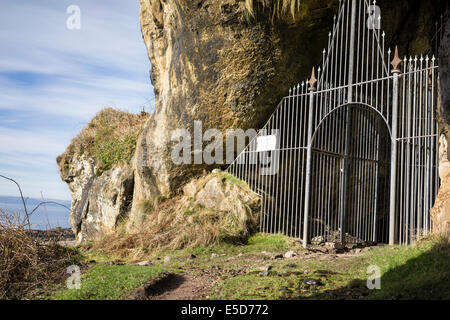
(268,267)
(202,283)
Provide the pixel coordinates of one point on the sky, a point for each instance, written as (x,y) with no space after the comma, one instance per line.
(54,78)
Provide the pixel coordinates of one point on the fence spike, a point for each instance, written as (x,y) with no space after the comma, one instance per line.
(313,80)
(396,61)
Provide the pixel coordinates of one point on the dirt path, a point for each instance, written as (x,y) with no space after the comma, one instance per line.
(176,287)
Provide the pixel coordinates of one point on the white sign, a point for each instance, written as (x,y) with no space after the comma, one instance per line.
(266,143)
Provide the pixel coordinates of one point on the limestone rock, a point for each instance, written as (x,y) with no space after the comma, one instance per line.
(441,210)
(98,202)
(290,254)
(209,63)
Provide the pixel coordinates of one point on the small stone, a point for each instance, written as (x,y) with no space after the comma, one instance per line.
(216,171)
(277,256)
(265,268)
(144,263)
(167,259)
(290,254)
(334,246)
(312,282)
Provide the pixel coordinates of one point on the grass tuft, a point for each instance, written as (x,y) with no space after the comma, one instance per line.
(110,137)
(277,8)
(182,222)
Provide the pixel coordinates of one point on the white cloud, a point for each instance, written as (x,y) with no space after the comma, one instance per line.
(53,80)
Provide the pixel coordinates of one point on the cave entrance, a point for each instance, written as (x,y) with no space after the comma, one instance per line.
(352,154)
(351,158)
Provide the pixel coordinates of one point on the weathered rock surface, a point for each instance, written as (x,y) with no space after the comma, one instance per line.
(98,202)
(441,210)
(230,214)
(209,63)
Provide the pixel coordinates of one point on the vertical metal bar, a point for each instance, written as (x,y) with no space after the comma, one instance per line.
(308,166)
(343,207)
(393,158)
(352,53)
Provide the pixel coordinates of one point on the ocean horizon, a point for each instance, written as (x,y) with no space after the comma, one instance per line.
(47,216)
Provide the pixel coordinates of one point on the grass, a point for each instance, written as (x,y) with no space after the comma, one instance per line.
(109,282)
(414,272)
(232,179)
(110,137)
(277,8)
(421,271)
(256,244)
(417,272)
(184,222)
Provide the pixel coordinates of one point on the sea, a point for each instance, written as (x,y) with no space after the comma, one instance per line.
(47,216)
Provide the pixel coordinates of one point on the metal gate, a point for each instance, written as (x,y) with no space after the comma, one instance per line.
(350,156)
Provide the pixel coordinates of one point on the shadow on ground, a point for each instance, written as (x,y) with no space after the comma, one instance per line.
(426,275)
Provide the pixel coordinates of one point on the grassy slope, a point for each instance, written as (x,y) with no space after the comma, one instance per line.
(109,282)
(415,272)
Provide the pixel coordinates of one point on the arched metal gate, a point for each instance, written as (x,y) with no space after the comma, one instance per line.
(350,156)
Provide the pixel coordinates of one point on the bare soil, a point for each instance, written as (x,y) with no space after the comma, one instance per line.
(189,286)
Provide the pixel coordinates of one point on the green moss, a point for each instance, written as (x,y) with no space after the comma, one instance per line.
(232,179)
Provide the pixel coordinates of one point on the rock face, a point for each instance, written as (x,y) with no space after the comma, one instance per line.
(98,202)
(441,210)
(212,64)
(209,64)
(216,208)
(96,167)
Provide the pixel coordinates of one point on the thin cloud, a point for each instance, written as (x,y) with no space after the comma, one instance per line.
(53,80)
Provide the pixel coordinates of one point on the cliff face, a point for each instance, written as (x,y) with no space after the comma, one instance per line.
(209,63)
(98,202)
(441,210)
(212,64)
(96,166)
